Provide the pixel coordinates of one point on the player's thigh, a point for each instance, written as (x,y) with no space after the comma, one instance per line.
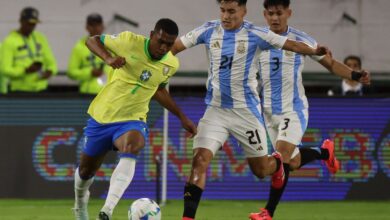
(247,126)
(212,132)
(130,142)
(98,138)
(291,129)
(131,137)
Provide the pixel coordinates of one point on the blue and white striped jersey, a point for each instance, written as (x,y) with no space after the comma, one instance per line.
(281,76)
(233,57)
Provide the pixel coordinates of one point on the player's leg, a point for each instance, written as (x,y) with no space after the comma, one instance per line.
(83,179)
(305,155)
(129,140)
(97,144)
(249,130)
(247,126)
(193,189)
(290,129)
(211,135)
(324,153)
(286,149)
(263,166)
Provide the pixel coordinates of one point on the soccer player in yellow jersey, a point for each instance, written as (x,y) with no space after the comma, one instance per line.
(142,68)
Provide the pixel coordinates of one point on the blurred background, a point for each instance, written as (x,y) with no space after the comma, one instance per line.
(41,126)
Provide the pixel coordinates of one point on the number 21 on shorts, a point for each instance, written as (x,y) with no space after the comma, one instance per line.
(253,137)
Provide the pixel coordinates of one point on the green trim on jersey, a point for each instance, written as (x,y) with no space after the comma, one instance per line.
(146,48)
(102,38)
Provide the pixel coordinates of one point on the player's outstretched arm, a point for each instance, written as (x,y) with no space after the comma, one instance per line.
(342,70)
(163,97)
(302,48)
(95,46)
(177,47)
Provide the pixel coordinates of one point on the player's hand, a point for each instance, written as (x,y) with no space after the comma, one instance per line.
(322,50)
(366,78)
(189,126)
(46,74)
(115,62)
(97,72)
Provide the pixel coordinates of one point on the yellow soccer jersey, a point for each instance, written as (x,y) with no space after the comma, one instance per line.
(127,95)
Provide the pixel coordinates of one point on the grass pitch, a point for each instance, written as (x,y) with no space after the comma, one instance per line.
(11,209)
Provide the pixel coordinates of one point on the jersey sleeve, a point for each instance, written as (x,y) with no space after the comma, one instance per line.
(314,57)
(275,40)
(117,42)
(267,40)
(197,36)
(308,40)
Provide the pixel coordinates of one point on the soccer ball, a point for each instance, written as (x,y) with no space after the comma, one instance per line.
(144,209)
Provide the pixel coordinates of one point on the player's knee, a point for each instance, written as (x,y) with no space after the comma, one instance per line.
(200,163)
(86,173)
(294,164)
(286,152)
(133,148)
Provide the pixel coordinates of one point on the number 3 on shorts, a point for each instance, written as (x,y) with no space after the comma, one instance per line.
(286,121)
(251,137)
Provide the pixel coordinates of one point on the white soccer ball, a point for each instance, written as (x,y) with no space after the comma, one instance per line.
(144,209)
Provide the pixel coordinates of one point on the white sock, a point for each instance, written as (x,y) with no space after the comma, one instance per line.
(81,189)
(120,180)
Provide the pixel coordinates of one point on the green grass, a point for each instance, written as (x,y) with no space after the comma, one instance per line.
(208,210)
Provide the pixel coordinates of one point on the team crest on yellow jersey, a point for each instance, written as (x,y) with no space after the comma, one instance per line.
(145,75)
(166,70)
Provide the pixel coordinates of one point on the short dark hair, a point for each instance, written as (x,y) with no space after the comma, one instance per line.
(354,57)
(168,26)
(94,18)
(240,2)
(269,3)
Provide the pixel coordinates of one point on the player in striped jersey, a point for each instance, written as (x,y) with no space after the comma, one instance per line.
(233,46)
(284,102)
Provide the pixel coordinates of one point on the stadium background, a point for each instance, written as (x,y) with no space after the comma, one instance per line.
(42,134)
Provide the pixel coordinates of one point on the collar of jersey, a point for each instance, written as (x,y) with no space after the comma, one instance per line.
(284,33)
(233,31)
(146,46)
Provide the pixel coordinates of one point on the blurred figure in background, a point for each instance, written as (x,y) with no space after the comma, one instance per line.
(26,57)
(84,66)
(350,87)
(3,82)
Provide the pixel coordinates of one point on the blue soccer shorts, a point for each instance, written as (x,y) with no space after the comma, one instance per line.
(100,138)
